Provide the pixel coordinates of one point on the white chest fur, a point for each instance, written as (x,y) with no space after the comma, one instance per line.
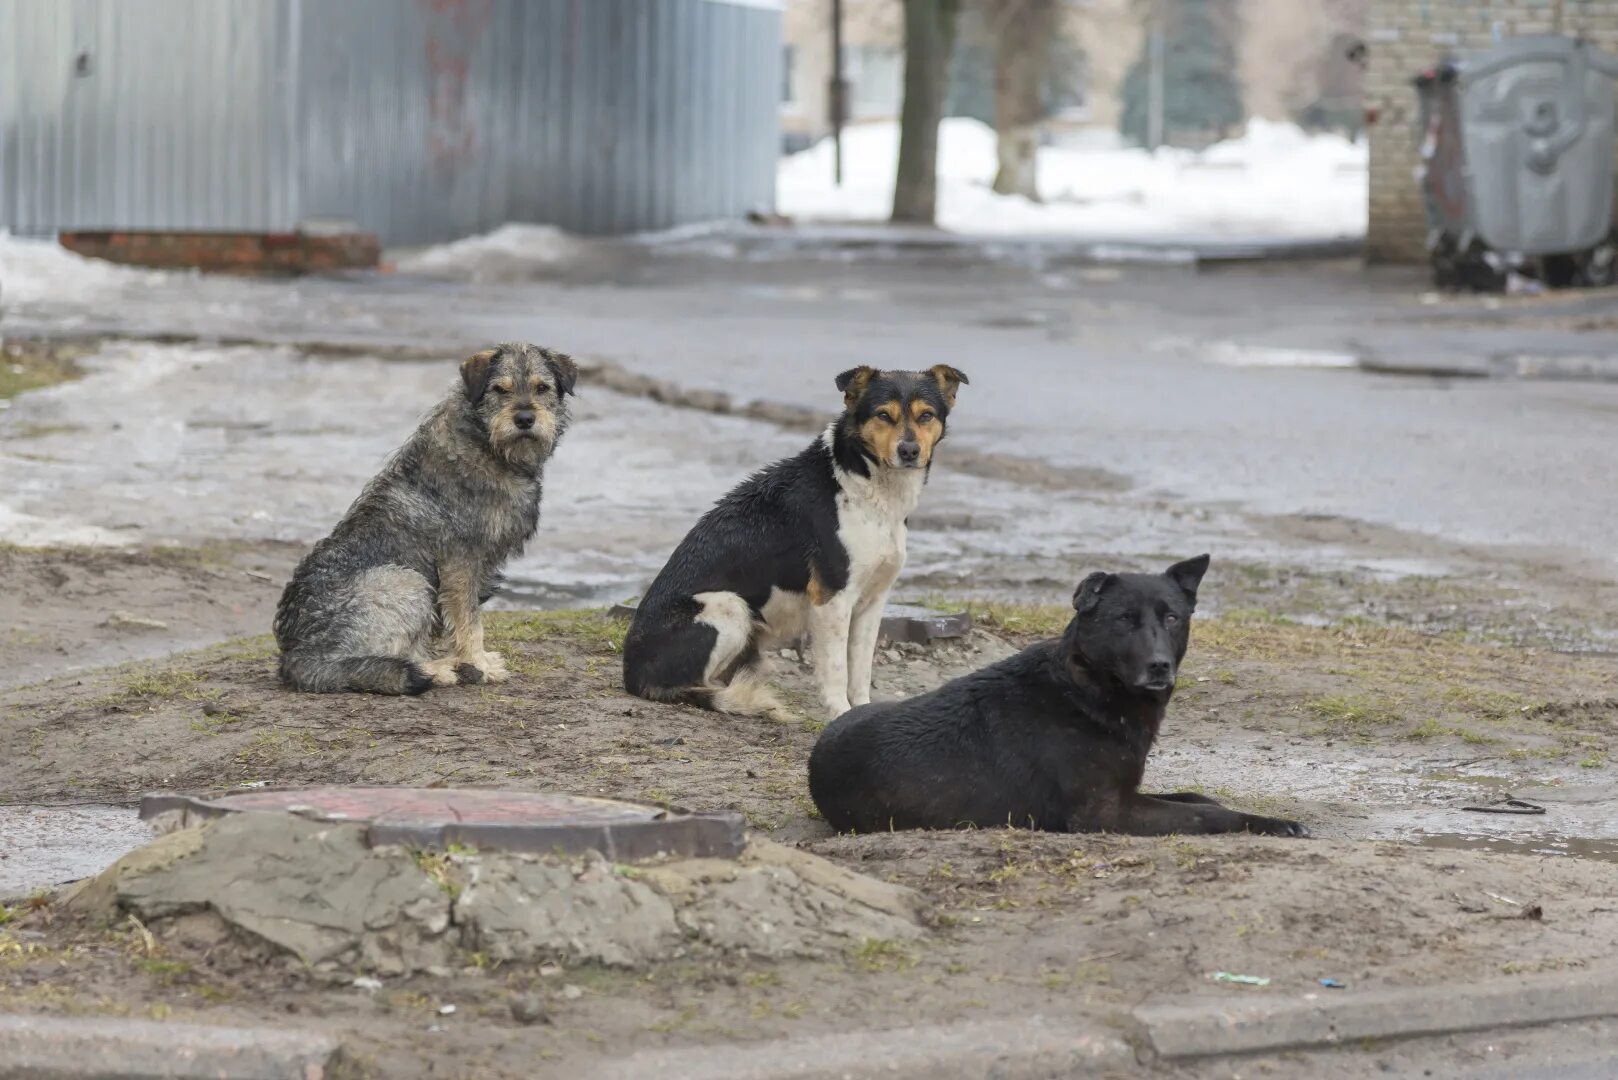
(871,514)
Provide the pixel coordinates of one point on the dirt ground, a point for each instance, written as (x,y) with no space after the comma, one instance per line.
(1021,923)
(1371,681)
(72,609)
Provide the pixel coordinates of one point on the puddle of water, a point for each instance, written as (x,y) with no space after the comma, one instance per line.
(45,846)
(1577,847)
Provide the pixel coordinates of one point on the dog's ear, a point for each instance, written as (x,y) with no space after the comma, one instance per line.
(853,383)
(1088,594)
(564,371)
(1188,575)
(475,371)
(949,380)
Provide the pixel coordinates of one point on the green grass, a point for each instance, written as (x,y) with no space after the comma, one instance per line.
(1353,713)
(436,865)
(26,366)
(1021,620)
(881,954)
(160,684)
(1485,703)
(593,629)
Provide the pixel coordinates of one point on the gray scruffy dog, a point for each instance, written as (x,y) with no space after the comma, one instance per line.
(388,603)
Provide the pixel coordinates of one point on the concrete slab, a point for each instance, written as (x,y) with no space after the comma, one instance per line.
(1005,1049)
(112,1048)
(1269,1023)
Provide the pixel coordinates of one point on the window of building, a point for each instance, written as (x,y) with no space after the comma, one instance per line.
(789,76)
(875,75)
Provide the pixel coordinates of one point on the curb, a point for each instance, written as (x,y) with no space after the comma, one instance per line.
(111,1048)
(1008,1050)
(1542,367)
(1329,1019)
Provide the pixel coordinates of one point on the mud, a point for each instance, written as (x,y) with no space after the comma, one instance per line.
(1024,925)
(1358,730)
(73,609)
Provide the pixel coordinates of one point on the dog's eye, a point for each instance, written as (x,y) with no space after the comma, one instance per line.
(501,389)
(540,388)
(925,418)
(887,417)
(1170,619)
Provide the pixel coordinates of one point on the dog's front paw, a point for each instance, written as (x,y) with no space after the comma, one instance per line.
(1272,826)
(493,667)
(442,672)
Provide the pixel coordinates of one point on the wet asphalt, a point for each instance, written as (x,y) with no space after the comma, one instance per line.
(1200,402)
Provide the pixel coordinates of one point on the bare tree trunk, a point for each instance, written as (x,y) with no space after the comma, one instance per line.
(1022,53)
(929,41)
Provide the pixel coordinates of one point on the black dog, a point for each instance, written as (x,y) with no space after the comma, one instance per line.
(1053,738)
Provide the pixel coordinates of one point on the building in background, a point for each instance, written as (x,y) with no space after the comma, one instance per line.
(415,120)
(1289,58)
(1407,36)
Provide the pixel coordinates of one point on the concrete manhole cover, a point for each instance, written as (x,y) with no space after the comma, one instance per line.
(487,819)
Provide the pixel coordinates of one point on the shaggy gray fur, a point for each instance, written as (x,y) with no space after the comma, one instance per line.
(388,603)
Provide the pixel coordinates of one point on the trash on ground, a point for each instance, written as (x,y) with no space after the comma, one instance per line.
(1507,805)
(1244,980)
(1333,984)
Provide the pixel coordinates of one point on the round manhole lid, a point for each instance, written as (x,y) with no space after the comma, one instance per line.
(485,818)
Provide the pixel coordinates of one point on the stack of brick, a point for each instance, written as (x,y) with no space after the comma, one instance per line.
(257,254)
(1407,36)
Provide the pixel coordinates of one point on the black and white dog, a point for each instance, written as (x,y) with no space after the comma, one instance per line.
(810,543)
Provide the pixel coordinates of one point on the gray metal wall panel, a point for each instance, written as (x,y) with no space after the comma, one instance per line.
(598,116)
(422,120)
(178,118)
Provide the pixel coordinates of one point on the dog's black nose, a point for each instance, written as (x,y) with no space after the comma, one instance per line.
(909,453)
(524,418)
(1158,669)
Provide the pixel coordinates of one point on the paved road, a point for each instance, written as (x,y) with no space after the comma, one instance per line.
(1135,376)
(1175,381)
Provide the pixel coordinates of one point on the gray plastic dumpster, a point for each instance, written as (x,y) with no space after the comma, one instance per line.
(1517,154)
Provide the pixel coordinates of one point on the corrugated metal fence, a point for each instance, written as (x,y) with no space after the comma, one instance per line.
(420,120)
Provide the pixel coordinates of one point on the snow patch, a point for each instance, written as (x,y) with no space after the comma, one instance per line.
(43,272)
(27,530)
(510,252)
(1236,354)
(1275,181)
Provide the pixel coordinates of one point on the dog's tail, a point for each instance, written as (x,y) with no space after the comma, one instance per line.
(746,695)
(365,674)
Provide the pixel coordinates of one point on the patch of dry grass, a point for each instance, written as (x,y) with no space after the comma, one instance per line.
(32,365)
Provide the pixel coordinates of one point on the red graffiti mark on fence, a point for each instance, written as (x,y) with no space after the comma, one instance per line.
(453,30)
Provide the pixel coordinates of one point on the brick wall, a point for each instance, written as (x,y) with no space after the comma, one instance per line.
(1406,36)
